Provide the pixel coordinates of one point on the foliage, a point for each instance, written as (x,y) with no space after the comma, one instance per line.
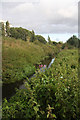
(32,36)
(26,35)
(65,70)
(18,74)
(20,33)
(19,58)
(73,41)
(41,39)
(7,28)
(49,40)
(22,105)
(54,43)
(55,92)
(2,29)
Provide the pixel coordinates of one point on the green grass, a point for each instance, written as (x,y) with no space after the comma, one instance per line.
(54,94)
(19,57)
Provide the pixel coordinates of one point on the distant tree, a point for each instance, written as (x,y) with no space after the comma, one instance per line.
(73,41)
(64,45)
(18,33)
(49,40)
(41,39)
(32,36)
(14,33)
(22,33)
(60,42)
(3,30)
(7,28)
(54,43)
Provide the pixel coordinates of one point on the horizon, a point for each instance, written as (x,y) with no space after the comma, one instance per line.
(58,19)
(54,37)
(58,37)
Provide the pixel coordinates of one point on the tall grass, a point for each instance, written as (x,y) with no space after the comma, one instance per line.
(51,95)
(19,57)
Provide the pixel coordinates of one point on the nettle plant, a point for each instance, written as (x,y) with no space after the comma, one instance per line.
(53,94)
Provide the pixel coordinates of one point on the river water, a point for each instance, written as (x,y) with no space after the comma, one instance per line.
(9,90)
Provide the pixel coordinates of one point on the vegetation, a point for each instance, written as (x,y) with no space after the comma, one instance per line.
(20,33)
(50,95)
(53,94)
(54,43)
(32,36)
(72,42)
(3,30)
(49,40)
(7,28)
(19,58)
(41,39)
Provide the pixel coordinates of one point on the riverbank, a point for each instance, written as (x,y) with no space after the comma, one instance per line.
(9,89)
(19,58)
(51,94)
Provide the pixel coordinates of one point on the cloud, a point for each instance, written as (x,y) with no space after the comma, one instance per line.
(44,16)
(19,0)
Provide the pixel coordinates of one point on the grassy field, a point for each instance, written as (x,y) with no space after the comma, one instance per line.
(19,58)
(53,95)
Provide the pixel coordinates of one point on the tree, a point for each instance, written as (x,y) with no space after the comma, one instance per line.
(7,28)
(54,43)
(18,33)
(3,30)
(14,33)
(49,40)
(32,36)
(41,39)
(73,41)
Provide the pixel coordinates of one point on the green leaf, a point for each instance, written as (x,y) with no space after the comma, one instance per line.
(47,115)
(65,89)
(54,115)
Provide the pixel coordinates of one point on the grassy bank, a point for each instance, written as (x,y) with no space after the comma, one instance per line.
(19,58)
(50,95)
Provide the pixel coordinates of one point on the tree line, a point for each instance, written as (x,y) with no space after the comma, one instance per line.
(26,35)
(20,33)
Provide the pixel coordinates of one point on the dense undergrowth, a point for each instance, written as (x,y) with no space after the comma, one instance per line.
(19,58)
(53,95)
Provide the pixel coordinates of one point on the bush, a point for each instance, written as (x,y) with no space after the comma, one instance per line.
(53,95)
(22,105)
(41,39)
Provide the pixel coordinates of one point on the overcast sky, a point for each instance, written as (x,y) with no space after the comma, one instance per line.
(43,16)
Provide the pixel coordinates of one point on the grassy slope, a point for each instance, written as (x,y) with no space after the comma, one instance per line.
(63,76)
(19,57)
(57,87)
